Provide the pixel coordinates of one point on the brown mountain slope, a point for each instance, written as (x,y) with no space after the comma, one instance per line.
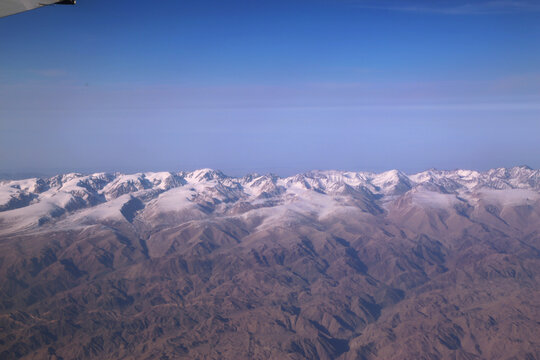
(311,271)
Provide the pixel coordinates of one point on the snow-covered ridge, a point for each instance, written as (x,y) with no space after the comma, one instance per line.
(34,202)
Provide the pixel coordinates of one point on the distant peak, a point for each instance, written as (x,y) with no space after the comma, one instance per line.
(206,174)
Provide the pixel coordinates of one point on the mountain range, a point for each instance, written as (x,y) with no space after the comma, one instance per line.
(320,265)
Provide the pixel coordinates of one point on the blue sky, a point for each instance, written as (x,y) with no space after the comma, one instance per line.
(281,86)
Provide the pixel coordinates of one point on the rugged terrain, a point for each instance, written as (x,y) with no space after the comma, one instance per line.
(322,265)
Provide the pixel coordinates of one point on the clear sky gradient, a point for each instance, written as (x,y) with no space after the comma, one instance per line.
(270,86)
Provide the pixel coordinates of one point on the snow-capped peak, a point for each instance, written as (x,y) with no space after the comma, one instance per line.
(46,199)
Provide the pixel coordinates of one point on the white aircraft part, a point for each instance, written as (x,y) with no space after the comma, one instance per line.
(10,7)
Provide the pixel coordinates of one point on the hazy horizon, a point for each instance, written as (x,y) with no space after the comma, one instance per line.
(283,87)
(19,175)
